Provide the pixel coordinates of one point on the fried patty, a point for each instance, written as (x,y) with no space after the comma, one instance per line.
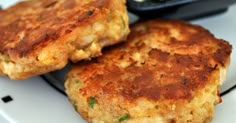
(40,36)
(168,71)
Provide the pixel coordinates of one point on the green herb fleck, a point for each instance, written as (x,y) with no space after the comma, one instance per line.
(91,102)
(89,13)
(123,22)
(123,118)
(75,108)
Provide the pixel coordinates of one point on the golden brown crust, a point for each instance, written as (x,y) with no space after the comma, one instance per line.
(30,24)
(41,31)
(167,69)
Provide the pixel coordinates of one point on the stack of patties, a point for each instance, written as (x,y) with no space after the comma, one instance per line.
(39,36)
(168,71)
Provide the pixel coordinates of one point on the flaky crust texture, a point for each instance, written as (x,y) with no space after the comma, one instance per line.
(168,71)
(40,36)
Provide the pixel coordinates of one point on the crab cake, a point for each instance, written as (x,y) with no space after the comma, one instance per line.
(39,36)
(168,71)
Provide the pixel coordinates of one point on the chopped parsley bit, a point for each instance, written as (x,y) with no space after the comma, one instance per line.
(75,108)
(89,13)
(91,102)
(123,118)
(123,22)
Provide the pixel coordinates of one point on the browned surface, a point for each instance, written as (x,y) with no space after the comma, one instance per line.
(32,24)
(40,36)
(175,60)
(168,71)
